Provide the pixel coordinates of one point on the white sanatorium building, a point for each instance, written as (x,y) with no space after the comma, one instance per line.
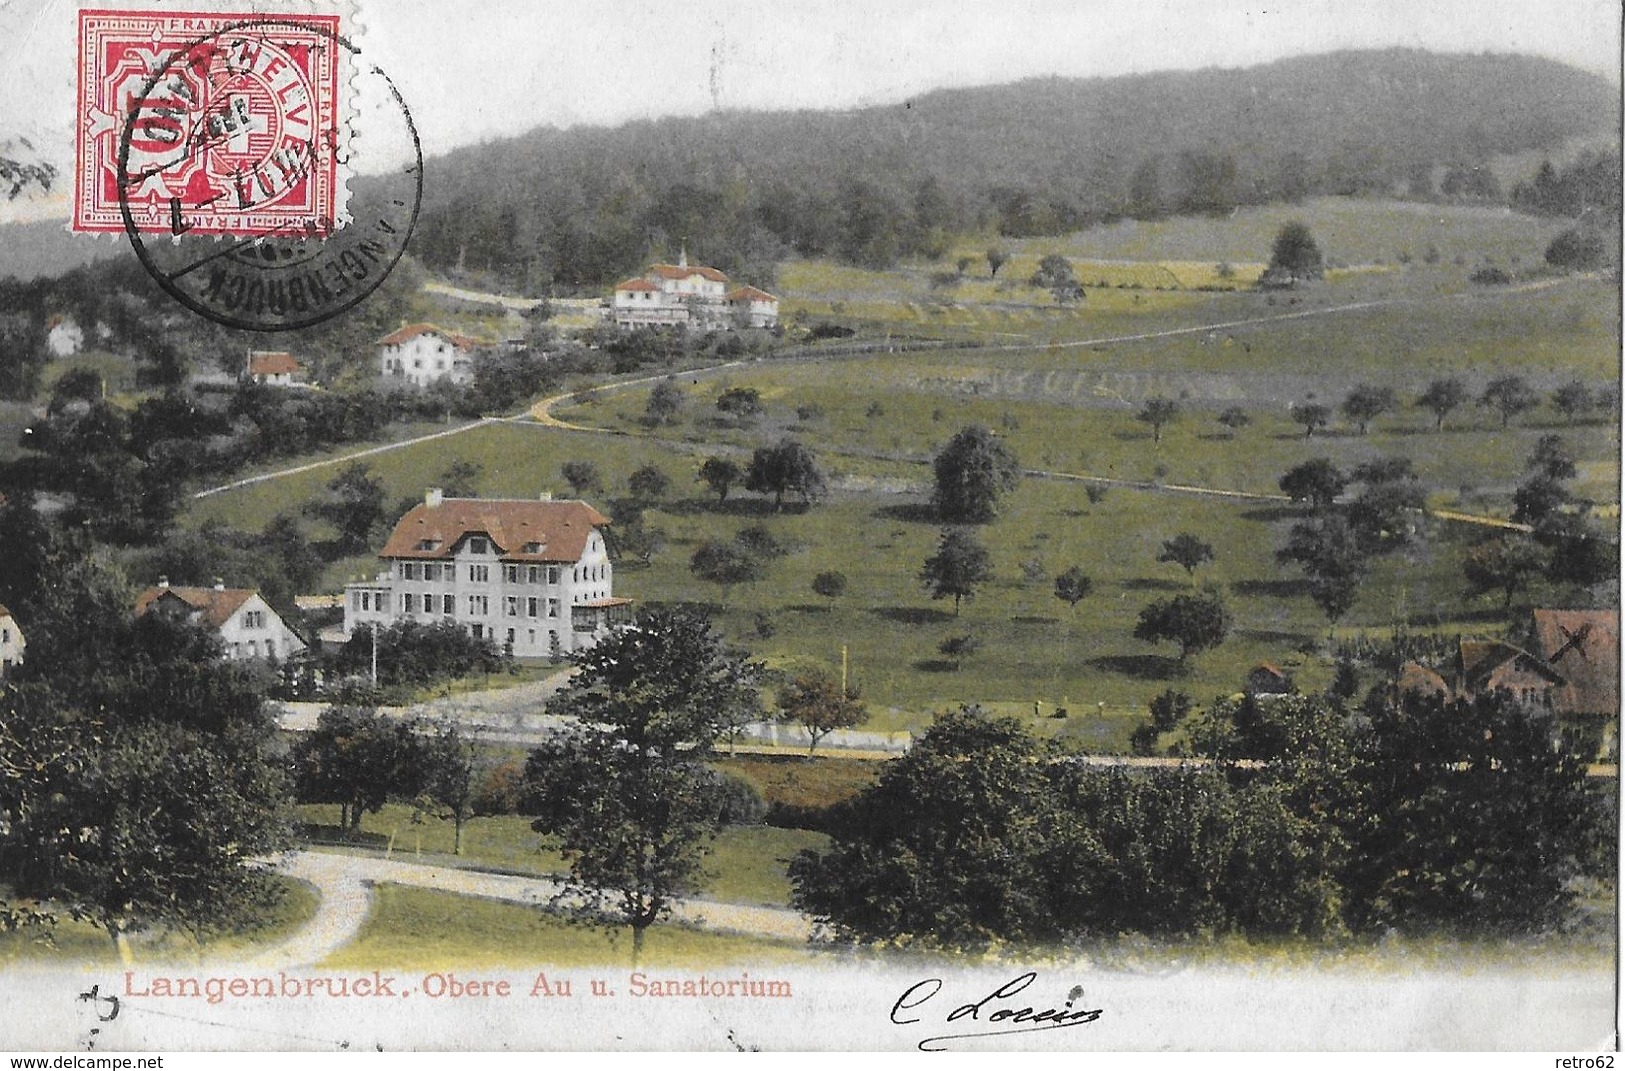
(532,574)
(671,294)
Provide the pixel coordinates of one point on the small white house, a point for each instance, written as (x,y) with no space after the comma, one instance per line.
(247,625)
(751,307)
(421,354)
(274,368)
(11,642)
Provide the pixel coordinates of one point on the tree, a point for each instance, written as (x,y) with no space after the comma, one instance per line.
(1053,270)
(1442,398)
(784,468)
(446,765)
(1573,399)
(1169,709)
(1539,499)
(1579,249)
(1195,622)
(1366,402)
(582,476)
(1507,565)
(959,647)
(960,565)
(1317,482)
(1072,586)
(1186,551)
(626,792)
(648,484)
(1234,419)
(1311,416)
(726,564)
(356,757)
(1157,412)
(831,585)
(461,479)
(996,259)
(740,401)
(354,506)
(1552,458)
(972,471)
(1332,555)
(1294,255)
(816,702)
(1509,396)
(721,474)
(665,402)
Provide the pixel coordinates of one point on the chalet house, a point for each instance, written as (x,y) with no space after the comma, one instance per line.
(1266,678)
(1583,646)
(11,642)
(247,626)
(274,368)
(669,295)
(532,574)
(420,354)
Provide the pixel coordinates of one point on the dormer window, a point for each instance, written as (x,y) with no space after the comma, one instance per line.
(428,544)
(533,548)
(479,545)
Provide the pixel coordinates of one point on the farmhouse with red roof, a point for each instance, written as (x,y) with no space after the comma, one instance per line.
(245,623)
(668,295)
(420,354)
(274,368)
(532,574)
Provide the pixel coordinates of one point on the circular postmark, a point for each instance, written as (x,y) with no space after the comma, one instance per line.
(231,169)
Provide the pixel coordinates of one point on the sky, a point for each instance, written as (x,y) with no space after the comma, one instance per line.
(484,69)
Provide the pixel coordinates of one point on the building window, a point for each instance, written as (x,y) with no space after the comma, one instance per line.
(533,548)
(448,605)
(533,575)
(477,631)
(479,545)
(428,544)
(532,606)
(253,618)
(552,607)
(510,606)
(479,606)
(552,574)
(479,574)
(530,637)
(409,603)
(510,574)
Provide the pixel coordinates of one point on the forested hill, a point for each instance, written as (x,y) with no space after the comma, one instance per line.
(585,206)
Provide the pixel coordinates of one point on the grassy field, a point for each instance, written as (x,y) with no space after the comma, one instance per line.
(423,929)
(80,942)
(746,864)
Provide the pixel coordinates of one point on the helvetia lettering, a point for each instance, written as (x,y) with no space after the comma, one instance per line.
(641,985)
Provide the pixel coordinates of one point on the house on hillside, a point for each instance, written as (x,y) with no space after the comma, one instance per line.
(1267,678)
(532,574)
(247,626)
(274,368)
(11,642)
(1583,646)
(63,337)
(1481,667)
(420,354)
(669,295)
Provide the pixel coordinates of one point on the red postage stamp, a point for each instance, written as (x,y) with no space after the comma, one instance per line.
(207,122)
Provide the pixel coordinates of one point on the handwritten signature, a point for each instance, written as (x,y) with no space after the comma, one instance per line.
(993,1009)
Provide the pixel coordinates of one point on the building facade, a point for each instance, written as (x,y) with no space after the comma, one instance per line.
(11,642)
(247,626)
(274,368)
(671,295)
(420,354)
(532,574)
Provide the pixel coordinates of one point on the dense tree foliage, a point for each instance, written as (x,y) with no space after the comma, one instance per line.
(816,702)
(960,566)
(972,471)
(1195,622)
(786,467)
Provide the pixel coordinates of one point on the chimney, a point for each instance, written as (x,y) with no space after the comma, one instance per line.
(682,257)
(433,497)
(219,583)
(545,496)
(163,582)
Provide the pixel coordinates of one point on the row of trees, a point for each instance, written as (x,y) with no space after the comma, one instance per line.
(1416,815)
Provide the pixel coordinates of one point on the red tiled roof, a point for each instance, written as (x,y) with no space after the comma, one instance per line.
(1477,660)
(411,331)
(674,271)
(750,293)
(1415,677)
(1582,645)
(272,363)
(613,600)
(217,605)
(561,527)
(637,284)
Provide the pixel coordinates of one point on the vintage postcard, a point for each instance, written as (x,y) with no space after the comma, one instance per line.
(947,526)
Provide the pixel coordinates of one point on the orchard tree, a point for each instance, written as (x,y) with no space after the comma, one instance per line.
(721,475)
(1234,419)
(816,702)
(648,484)
(1552,458)
(831,585)
(972,472)
(1295,256)
(582,476)
(1157,412)
(354,506)
(1510,396)
(1367,402)
(1334,558)
(960,566)
(1574,400)
(1195,622)
(726,564)
(446,765)
(665,403)
(786,467)
(1311,416)
(1317,482)
(460,479)
(1507,565)
(356,757)
(626,791)
(1187,551)
(1443,397)
(959,647)
(1072,586)
(996,259)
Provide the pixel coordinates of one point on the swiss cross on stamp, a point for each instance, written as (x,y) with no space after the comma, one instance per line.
(209,123)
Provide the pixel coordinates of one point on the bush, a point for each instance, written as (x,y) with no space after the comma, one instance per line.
(501,790)
(1490,275)
(742,803)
